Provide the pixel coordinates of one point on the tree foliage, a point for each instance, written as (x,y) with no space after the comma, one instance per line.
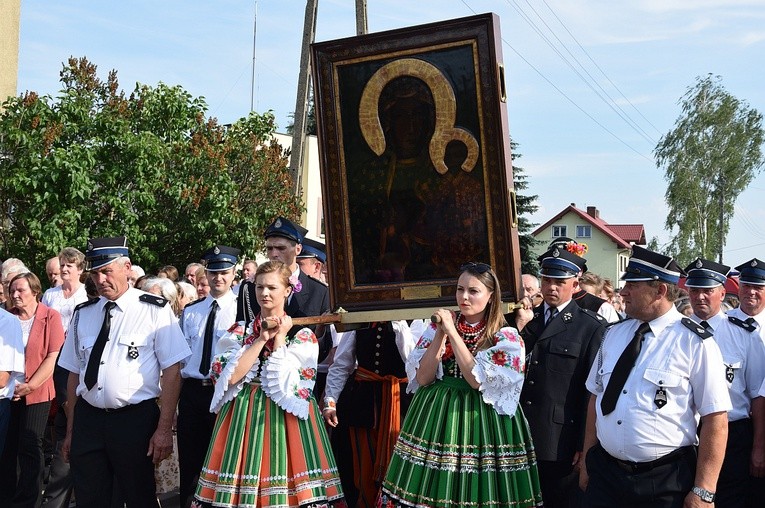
(526,206)
(150,166)
(709,157)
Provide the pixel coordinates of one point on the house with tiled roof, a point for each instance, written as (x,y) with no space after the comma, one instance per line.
(608,245)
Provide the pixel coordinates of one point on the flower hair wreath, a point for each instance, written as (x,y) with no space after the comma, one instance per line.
(297,286)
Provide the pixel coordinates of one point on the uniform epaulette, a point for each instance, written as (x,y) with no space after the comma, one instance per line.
(748,326)
(696,328)
(594,315)
(617,322)
(315,279)
(199,300)
(85,303)
(153,299)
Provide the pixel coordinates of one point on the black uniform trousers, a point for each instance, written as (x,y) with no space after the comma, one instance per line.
(22,463)
(561,484)
(112,445)
(663,483)
(733,484)
(58,491)
(195,428)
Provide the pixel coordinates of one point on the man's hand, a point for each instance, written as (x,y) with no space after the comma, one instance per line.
(694,501)
(757,463)
(330,416)
(66,447)
(160,445)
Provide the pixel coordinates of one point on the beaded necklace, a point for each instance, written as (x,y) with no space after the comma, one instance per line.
(470,334)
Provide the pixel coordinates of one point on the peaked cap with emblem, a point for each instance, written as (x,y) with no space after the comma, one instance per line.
(220,257)
(313,249)
(752,272)
(102,251)
(704,273)
(646,265)
(558,263)
(286,229)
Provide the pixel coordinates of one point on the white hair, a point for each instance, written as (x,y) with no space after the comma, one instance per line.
(137,271)
(166,287)
(13,266)
(189,291)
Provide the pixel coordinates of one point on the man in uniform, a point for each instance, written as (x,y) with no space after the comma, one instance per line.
(309,297)
(312,259)
(654,376)
(115,350)
(203,322)
(563,340)
(750,310)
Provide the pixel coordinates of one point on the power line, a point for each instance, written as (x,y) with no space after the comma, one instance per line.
(599,68)
(577,106)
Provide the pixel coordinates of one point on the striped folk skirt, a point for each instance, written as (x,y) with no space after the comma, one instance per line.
(262,456)
(454,450)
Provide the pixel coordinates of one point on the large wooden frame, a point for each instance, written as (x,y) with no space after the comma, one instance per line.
(415,163)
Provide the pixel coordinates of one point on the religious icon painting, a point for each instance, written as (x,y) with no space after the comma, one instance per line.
(415,163)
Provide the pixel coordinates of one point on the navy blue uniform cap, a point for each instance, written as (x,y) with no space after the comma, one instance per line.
(646,265)
(752,272)
(102,251)
(220,257)
(703,273)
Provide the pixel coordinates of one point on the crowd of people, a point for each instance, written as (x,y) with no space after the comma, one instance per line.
(202,383)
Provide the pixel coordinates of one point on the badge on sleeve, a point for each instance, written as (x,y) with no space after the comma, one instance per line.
(661,398)
(729,373)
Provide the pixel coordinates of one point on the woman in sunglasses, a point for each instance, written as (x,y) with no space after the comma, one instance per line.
(464,441)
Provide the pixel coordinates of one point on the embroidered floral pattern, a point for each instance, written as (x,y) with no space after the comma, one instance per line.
(302,392)
(217,366)
(305,335)
(499,358)
(307,374)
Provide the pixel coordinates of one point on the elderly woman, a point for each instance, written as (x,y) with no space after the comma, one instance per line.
(164,287)
(203,286)
(71,292)
(22,464)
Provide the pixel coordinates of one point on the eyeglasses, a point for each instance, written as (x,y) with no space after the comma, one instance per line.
(478,268)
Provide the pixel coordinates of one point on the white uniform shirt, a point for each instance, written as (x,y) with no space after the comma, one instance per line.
(744,357)
(673,359)
(11,352)
(609,312)
(55,299)
(193,324)
(345,357)
(759,320)
(151,330)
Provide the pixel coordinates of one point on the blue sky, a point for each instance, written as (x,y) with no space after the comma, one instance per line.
(643,53)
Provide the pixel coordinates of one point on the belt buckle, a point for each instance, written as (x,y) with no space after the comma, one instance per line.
(207,382)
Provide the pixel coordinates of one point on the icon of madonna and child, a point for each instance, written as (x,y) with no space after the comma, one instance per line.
(416,195)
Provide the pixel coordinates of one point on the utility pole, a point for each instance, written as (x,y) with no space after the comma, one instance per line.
(254,40)
(298,131)
(361,17)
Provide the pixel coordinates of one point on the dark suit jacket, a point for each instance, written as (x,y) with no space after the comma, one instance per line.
(554,398)
(45,337)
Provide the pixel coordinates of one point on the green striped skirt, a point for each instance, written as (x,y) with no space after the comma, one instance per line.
(454,450)
(262,456)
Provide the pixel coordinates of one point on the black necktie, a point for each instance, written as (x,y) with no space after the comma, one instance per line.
(204,365)
(751,321)
(553,311)
(91,372)
(622,369)
(707,326)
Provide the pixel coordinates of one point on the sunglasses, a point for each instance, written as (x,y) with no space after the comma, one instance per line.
(478,268)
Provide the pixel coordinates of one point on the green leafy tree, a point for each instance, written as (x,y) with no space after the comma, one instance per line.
(526,206)
(150,166)
(709,157)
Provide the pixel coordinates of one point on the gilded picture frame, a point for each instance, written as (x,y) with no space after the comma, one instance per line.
(415,163)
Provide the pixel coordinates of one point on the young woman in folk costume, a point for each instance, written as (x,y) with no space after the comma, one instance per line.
(464,441)
(269,446)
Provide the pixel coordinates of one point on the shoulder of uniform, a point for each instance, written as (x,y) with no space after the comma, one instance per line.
(153,299)
(593,315)
(749,327)
(200,300)
(85,303)
(695,328)
(314,279)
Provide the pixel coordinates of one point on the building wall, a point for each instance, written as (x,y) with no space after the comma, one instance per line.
(602,255)
(10,15)
(310,185)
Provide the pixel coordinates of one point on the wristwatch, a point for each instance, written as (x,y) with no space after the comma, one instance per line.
(704,494)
